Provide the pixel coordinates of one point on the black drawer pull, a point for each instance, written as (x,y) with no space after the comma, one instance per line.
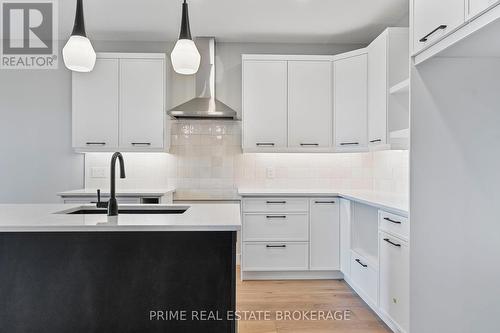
(95,143)
(377,140)
(324,202)
(269,217)
(389,241)
(141,143)
(349,143)
(309,144)
(392,221)
(275,202)
(359,262)
(276,246)
(426,37)
(264,144)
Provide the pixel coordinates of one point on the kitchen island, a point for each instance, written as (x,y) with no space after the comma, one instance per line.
(64,271)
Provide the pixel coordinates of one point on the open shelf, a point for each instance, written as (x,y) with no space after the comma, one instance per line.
(400,134)
(402,87)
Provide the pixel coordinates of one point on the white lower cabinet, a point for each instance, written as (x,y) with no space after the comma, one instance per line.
(325,234)
(290,238)
(364,276)
(394,280)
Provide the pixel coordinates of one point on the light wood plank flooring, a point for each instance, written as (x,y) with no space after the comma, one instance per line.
(305,295)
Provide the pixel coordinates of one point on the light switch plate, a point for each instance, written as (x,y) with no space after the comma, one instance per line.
(270,173)
(98,172)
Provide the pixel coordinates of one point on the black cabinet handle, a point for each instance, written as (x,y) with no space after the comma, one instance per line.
(95,143)
(276,246)
(349,143)
(389,241)
(359,262)
(141,143)
(377,140)
(264,144)
(275,202)
(392,221)
(309,144)
(324,202)
(269,217)
(426,37)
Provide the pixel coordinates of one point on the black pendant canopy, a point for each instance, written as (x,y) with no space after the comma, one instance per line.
(79,26)
(185,30)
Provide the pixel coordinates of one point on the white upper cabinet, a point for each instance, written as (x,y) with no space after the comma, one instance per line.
(142,103)
(478,6)
(95,107)
(433,19)
(309,104)
(120,105)
(351,101)
(264,105)
(377,91)
(388,66)
(325,234)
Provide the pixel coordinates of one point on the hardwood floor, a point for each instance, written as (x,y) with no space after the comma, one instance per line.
(273,296)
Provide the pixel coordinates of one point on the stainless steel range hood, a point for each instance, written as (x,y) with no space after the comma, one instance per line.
(205,105)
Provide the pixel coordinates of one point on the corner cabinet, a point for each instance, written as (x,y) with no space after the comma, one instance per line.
(351,101)
(120,105)
(287,103)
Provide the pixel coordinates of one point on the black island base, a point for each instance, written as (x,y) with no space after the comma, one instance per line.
(105,282)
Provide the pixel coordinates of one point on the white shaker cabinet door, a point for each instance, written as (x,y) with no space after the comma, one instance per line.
(309,104)
(142,112)
(377,91)
(394,280)
(351,103)
(325,234)
(264,105)
(433,19)
(95,107)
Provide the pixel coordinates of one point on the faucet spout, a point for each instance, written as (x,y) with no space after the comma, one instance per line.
(113,204)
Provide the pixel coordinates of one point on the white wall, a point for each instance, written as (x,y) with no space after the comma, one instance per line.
(454,198)
(36,159)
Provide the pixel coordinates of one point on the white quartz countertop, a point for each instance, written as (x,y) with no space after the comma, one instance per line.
(43,218)
(393,203)
(85,192)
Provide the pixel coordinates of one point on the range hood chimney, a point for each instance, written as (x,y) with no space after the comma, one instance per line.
(205,105)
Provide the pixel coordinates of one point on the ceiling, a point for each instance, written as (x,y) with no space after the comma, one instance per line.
(290,21)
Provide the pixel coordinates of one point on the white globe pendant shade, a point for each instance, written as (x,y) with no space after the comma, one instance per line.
(185,57)
(78,54)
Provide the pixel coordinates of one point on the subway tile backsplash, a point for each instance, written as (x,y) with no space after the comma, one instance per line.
(206,158)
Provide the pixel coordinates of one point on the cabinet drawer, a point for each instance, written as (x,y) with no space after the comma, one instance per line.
(394,279)
(269,205)
(394,224)
(364,276)
(273,256)
(275,227)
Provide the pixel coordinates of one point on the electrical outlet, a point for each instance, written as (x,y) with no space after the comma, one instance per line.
(270,173)
(97,172)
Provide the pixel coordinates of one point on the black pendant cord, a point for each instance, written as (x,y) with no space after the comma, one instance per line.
(185,30)
(79,27)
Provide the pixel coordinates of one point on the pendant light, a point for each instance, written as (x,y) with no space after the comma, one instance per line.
(78,53)
(185,56)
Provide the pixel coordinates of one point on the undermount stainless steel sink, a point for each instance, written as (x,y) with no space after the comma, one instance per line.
(127,209)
